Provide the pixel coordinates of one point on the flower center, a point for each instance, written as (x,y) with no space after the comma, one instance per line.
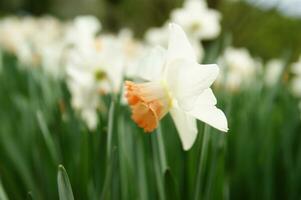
(195,27)
(100,75)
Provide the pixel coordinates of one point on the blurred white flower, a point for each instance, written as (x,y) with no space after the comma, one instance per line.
(31,38)
(93,72)
(238,68)
(296,80)
(181,87)
(11,34)
(296,67)
(157,36)
(82,31)
(197,20)
(296,86)
(132,51)
(52,59)
(273,71)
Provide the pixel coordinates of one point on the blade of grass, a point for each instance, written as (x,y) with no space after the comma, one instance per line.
(109,174)
(110,130)
(142,174)
(47,137)
(123,159)
(64,186)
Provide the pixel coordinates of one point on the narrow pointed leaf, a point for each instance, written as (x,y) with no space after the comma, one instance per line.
(64,186)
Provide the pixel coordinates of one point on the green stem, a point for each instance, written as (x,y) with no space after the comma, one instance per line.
(201,165)
(161,152)
(158,175)
(110,130)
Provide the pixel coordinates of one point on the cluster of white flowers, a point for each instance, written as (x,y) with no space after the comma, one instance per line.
(35,41)
(197,20)
(94,64)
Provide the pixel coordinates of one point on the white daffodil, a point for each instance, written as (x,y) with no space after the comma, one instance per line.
(82,31)
(52,59)
(273,71)
(157,36)
(198,21)
(181,88)
(296,86)
(93,72)
(238,68)
(296,80)
(296,67)
(132,51)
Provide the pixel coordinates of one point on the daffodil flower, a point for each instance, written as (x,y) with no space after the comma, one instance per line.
(181,87)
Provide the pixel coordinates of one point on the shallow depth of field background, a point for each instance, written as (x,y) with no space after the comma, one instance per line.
(259,158)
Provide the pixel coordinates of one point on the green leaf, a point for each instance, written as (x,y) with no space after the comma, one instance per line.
(161,151)
(29,196)
(47,137)
(110,130)
(64,186)
(3,195)
(170,185)
(157,168)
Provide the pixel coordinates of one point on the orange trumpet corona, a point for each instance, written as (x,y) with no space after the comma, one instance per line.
(148,103)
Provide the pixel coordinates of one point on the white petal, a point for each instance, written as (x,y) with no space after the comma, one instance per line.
(206,111)
(186,126)
(90,117)
(187,81)
(206,98)
(178,45)
(151,66)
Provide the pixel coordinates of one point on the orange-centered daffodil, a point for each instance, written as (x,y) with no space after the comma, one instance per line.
(179,85)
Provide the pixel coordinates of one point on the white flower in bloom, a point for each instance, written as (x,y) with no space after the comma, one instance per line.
(197,20)
(82,31)
(52,59)
(238,68)
(273,71)
(15,37)
(132,51)
(296,81)
(296,86)
(11,34)
(158,36)
(296,67)
(34,41)
(92,72)
(182,87)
